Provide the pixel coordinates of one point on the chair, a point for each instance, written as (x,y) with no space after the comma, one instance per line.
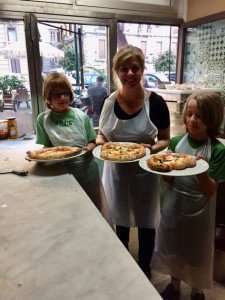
(22,95)
(9,101)
(1,101)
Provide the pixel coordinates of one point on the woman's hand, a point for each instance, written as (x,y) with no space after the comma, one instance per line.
(100,139)
(163,140)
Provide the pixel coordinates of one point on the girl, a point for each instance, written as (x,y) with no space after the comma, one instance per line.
(185,239)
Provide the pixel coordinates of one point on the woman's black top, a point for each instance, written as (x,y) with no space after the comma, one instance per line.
(159,112)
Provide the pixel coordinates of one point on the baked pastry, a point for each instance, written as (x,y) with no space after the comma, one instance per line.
(167,161)
(57,152)
(122,151)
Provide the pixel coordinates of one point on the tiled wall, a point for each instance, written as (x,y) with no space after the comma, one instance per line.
(204,62)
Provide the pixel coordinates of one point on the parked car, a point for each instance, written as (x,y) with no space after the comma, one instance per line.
(155,80)
(171,76)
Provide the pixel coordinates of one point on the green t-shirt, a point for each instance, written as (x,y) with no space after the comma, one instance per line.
(217,160)
(60,120)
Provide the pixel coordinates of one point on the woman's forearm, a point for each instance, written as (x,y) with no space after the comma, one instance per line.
(160,145)
(100,139)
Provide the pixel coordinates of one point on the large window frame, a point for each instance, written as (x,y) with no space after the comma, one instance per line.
(94,18)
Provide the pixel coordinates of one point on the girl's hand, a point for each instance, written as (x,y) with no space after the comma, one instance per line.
(207,185)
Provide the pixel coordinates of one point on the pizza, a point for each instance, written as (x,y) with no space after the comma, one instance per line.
(57,152)
(122,151)
(168,161)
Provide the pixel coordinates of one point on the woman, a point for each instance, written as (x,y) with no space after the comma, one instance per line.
(133,114)
(62,125)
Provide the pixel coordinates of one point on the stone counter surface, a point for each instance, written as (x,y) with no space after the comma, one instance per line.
(55,245)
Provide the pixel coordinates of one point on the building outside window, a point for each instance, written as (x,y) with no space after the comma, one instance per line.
(101,49)
(144,47)
(12,36)
(15,65)
(53,36)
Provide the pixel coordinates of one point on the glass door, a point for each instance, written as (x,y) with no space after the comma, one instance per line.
(15,96)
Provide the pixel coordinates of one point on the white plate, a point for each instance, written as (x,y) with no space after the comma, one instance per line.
(97,153)
(200,167)
(56,160)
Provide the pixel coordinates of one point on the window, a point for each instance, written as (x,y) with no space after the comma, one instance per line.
(159,46)
(53,36)
(102,28)
(12,36)
(65,57)
(15,65)
(101,49)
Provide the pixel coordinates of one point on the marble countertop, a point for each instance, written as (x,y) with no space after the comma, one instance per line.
(184,91)
(55,245)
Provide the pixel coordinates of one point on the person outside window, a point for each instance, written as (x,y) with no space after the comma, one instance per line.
(97,94)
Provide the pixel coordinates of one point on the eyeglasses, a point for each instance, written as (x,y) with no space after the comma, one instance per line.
(58,95)
(126,69)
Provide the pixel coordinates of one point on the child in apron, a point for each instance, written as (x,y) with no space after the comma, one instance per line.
(185,239)
(67,126)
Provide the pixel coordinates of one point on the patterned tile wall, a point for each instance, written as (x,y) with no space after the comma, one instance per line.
(204,62)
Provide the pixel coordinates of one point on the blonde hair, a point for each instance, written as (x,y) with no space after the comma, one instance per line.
(211,110)
(53,82)
(123,55)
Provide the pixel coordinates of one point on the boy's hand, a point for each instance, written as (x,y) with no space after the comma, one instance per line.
(149,146)
(89,146)
(168,179)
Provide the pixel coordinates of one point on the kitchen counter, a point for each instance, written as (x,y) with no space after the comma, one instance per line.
(55,245)
(180,95)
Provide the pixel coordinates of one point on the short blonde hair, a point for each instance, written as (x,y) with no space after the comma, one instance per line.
(211,110)
(53,82)
(123,55)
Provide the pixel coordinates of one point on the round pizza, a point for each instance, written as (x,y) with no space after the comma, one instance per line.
(51,153)
(122,151)
(168,161)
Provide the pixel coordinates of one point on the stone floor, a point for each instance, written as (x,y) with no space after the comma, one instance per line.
(160,281)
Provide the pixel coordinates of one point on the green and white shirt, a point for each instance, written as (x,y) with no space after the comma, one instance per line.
(71,128)
(217,160)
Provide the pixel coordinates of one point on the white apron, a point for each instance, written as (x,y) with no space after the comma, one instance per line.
(83,168)
(132,193)
(185,239)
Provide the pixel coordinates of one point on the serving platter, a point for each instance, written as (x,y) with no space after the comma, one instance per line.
(201,167)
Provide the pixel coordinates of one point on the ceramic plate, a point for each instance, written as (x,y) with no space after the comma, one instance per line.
(56,160)
(200,167)
(97,153)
